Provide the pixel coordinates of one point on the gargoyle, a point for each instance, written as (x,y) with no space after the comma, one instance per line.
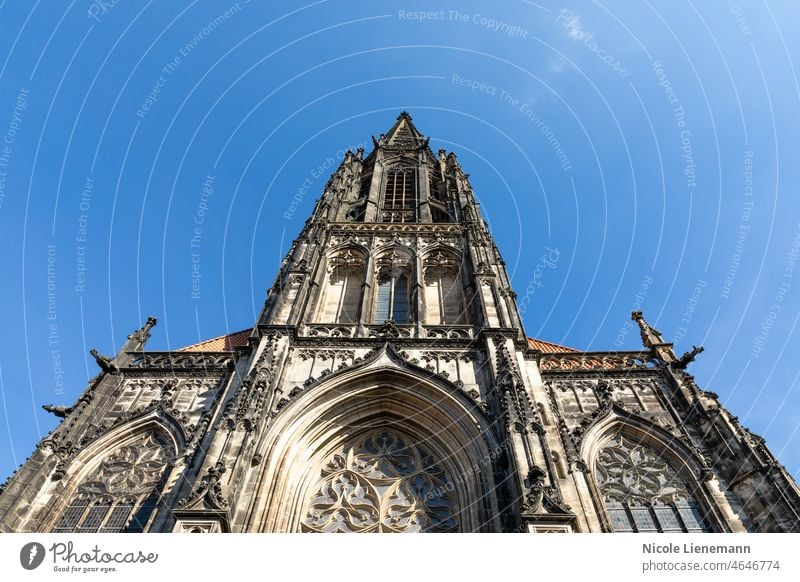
(58,411)
(687,358)
(106,364)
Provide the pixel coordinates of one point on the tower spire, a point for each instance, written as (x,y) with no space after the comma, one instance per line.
(403,135)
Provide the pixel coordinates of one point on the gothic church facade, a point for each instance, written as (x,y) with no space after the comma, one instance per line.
(388,386)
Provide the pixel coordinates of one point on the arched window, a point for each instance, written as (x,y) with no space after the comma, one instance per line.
(440,203)
(342,298)
(123,492)
(392,287)
(642,492)
(391,302)
(381,482)
(400,196)
(444,294)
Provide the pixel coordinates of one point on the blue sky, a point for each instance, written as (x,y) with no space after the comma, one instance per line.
(646,152)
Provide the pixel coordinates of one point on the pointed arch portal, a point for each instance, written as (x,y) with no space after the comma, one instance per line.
(380,450)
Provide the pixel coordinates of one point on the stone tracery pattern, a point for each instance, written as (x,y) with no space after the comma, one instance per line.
(642,492)
(382,483)
(630,472)
(122,485)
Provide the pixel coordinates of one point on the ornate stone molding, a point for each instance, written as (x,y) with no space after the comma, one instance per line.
(597,361)
(208,494)
(181,360)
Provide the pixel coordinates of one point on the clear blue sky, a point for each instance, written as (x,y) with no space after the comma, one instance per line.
(645,148)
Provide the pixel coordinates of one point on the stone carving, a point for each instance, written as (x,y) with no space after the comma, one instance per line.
(178,360)
(142,334)
(642,492)
(650,336)
(389,330)
(449,332)
(533,497)
(628,472)
(108,365)
(337,331)
(326,354)
(382,483)
(124,479)
(593,362)
(687,358)
(58,411)
(513,397)
(209,492)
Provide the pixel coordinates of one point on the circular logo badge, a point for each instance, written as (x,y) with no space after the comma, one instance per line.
(31,555)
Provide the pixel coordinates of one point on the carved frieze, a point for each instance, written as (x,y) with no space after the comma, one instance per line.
(181,360)
(596,361)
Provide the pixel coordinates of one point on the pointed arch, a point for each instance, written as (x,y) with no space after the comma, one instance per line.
(644,479)
(343,287)
(118,481)
(443,287)
(394,284)
(400,192)
(324,430)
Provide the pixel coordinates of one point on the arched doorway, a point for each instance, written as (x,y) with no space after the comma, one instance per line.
(376,451)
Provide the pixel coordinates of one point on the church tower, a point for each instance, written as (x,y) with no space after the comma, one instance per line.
(389,386)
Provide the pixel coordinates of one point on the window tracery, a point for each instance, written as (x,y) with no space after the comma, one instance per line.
(444,296)
(342,299)
(392,288)
(642,492)
(122,492)
(382,483)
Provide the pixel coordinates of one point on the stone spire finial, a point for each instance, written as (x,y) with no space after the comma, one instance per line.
(651,337)
(142,334)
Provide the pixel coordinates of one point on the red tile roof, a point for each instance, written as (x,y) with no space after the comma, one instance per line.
(548,347)
(223,343)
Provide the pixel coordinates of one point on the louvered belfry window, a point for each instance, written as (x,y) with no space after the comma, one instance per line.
(400,196)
